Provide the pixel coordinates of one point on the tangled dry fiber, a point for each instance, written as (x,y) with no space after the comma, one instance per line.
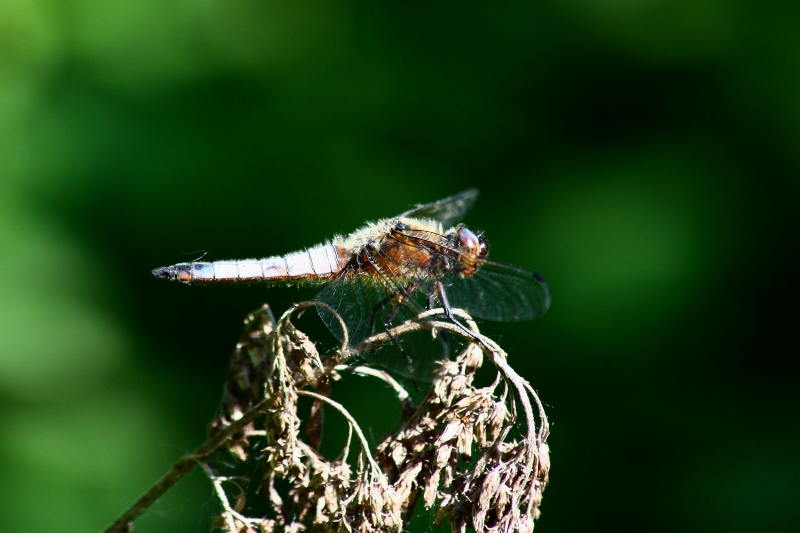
(470,454)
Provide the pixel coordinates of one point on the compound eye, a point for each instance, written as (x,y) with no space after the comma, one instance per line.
(468,240)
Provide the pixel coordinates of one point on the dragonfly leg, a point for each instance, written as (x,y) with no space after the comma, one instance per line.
(431,305)
(395,304)
(387,324)
(394,310)
(448,311)
(431,299)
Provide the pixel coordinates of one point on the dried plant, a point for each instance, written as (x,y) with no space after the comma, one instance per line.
(476,456)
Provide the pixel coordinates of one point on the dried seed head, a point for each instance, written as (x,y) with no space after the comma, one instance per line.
(444,454)
(398,454)
(497,418)
(451,431)
(427,459)
(473,358)
(431,488)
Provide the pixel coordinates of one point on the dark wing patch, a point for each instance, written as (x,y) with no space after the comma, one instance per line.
(449,211)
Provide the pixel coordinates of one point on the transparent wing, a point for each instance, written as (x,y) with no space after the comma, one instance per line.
(448,211)
(501,292)
(363,300)
(358,299)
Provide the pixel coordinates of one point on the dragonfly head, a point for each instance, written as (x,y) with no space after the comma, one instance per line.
(471,244)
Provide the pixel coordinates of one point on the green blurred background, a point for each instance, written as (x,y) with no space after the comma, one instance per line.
(642,155)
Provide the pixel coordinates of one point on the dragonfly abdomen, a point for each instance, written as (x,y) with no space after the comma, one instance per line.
(318,263)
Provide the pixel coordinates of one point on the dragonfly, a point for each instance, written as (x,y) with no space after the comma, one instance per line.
(392,270)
